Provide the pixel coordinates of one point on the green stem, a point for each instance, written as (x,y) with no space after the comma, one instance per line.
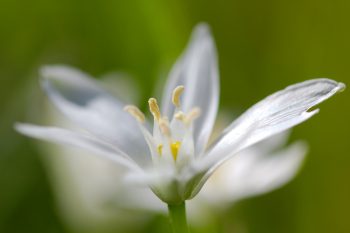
(178,221)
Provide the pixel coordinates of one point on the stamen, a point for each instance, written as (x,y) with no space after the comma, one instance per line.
(164,127)
(154,108)
(176,95)
(160,149)
(194,114)
(175,147)
(135,112)
(180,116)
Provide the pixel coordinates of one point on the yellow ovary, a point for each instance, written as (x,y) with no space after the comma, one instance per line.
(174,148)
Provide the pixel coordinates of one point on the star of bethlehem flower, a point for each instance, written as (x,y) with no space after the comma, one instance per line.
(95,182)
(172,157)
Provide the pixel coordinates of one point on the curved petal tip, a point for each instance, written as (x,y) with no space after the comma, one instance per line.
(341,87)
(48,71)
(202,28)
(61,72)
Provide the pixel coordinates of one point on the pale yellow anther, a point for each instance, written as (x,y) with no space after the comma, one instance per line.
(154,108)
(194,114)
(135,112)
(176,95)
(180,116)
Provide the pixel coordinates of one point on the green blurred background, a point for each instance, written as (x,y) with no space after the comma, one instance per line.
(263,46)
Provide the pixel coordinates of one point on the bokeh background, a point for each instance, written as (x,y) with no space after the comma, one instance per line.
(263,46)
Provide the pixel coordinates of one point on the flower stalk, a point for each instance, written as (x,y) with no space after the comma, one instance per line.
(178,220)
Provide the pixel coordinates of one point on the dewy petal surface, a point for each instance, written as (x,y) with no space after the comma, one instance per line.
(84,102)
(274,114)
(67,137)
(197,71)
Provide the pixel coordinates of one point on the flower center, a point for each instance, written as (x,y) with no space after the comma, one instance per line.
(172,138)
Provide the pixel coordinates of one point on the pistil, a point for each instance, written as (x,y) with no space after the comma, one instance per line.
(174,148)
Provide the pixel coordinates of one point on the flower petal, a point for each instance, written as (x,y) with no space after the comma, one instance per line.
(262,174)
(67,137)
(85,103)
(274,114)
(197,71)
(95,182)
(253,172)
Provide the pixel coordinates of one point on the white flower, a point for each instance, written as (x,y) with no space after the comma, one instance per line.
(173,158)
(93,183)
(86,184)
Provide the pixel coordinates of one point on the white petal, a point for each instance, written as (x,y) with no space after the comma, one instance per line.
(264,174)
(85,103)
(94,183)
(197,71)
(252,173)
(66,137)
(270,144)
(132,197)
(274,114)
